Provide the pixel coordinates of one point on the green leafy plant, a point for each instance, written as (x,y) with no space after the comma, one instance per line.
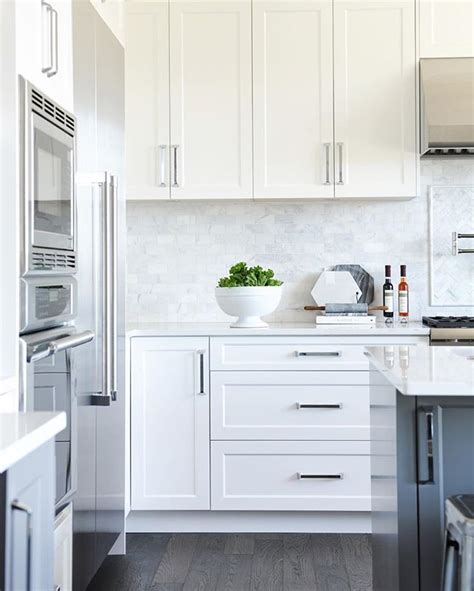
(240,275)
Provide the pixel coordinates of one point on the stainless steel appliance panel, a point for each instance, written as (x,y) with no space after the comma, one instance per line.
(101,221)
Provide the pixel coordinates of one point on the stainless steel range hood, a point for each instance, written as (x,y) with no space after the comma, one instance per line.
(447,106)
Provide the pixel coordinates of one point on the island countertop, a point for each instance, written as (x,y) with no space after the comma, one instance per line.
(309,329)
(23,432)
(423,370)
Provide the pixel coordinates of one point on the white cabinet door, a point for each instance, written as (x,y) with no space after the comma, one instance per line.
(170,423)
(293,99)
(44,47)
(375,100)
(147,100)
(211,99)
(446,28)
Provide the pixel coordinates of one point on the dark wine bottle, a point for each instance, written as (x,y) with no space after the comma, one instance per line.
(388,293)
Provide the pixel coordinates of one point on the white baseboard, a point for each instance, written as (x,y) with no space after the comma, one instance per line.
(247,521)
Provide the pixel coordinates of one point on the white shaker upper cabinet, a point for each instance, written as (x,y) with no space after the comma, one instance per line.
(211,99)
(375,100)
(293,99)
(147,100)
(44,47)
(446,28)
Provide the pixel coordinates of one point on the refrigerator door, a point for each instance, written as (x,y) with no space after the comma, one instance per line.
(110,502)
(99,510)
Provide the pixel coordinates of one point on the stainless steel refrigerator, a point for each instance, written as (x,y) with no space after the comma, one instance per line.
(99,504)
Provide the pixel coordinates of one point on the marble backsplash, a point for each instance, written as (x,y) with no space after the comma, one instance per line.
(178,250)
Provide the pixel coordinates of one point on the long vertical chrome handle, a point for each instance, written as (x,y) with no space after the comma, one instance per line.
(340,149)
(327,163)
(54,43)
(19,506)
(162,149)
(48,38)
(426,445)
(113,301)
(201,391)
(175,166)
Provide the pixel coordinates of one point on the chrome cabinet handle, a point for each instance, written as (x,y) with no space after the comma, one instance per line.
(303,476)
(425,422)
(19,506)
(54,43)
(318,353)
(340,148)
(49,13)
(201,373)
(327,153)
(175,166)
(162,149)
(302,405)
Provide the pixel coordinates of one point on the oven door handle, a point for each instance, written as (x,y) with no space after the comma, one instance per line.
(57,345)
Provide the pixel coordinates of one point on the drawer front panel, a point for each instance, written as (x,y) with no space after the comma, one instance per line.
(295,353)
(288,405)
(290,476)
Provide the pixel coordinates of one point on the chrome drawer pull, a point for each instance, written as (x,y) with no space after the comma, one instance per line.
(300,405)
(318,353)
(302,476)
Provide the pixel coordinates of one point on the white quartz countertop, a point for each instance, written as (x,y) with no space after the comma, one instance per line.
(421,370)
(308,329)
(23,432)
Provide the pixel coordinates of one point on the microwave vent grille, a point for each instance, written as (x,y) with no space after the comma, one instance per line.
(51,260)
(51,111)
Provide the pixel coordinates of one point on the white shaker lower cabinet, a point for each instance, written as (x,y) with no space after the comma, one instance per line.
(170,423)
(291,475)
(375,98)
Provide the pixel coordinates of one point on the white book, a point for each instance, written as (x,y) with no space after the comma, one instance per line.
(359,320)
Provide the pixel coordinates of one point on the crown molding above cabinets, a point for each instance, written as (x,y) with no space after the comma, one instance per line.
(270,99)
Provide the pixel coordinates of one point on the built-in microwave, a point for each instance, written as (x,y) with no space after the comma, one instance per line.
(48,212)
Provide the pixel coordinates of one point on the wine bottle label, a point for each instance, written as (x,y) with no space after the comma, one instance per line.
(388,300)
(403,302)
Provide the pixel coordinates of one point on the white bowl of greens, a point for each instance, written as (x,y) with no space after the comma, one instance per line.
(248,293)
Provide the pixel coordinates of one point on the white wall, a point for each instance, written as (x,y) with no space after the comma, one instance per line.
(178,250)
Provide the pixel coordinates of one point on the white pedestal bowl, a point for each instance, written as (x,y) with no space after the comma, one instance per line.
(248,304)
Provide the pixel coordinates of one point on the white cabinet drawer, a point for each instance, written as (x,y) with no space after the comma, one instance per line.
(290,476)
(296,353)
(290,405)
(284,353)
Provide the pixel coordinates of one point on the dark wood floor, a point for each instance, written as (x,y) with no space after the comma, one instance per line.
(239,562)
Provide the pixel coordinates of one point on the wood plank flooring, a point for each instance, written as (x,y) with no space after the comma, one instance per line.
(239,562)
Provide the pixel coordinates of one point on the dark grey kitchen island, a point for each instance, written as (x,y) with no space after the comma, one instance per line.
(422,451)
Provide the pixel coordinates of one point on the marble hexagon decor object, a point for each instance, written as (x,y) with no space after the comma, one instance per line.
(364,280)
(335,287)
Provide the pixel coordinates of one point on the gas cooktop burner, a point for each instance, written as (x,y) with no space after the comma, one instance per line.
(449,321)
